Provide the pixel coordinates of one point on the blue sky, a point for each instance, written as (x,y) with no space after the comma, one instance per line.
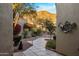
(50,7)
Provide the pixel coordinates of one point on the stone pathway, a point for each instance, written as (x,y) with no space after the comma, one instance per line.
(38,49)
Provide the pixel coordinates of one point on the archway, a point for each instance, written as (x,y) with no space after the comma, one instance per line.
(40,21)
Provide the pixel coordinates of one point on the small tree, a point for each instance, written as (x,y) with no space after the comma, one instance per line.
(50,27)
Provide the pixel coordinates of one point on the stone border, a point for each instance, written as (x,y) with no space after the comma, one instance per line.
(56,51)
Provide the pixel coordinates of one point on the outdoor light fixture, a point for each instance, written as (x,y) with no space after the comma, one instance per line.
(67,26)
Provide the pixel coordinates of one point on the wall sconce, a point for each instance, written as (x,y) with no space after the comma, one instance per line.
(67,27)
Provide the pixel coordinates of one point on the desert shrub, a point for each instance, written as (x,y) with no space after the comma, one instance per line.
(36,32)
(51,44)
(25,33)
(33,30)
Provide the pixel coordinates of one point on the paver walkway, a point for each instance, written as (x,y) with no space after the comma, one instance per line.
(38,49)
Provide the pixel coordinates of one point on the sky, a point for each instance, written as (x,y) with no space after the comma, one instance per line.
(50,7)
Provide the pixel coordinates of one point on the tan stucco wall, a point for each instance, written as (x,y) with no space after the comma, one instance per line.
(6,35)
(67,44)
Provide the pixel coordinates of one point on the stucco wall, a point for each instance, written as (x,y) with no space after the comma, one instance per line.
(67,43)
(6,35)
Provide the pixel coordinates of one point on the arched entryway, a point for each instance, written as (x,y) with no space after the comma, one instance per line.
(39,26)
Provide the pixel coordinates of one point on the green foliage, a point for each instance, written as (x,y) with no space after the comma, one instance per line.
(25,33)
(50,26)
(36,32)
(39,31)
(51,44)
(23,8)
(33,32)
(28,10)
